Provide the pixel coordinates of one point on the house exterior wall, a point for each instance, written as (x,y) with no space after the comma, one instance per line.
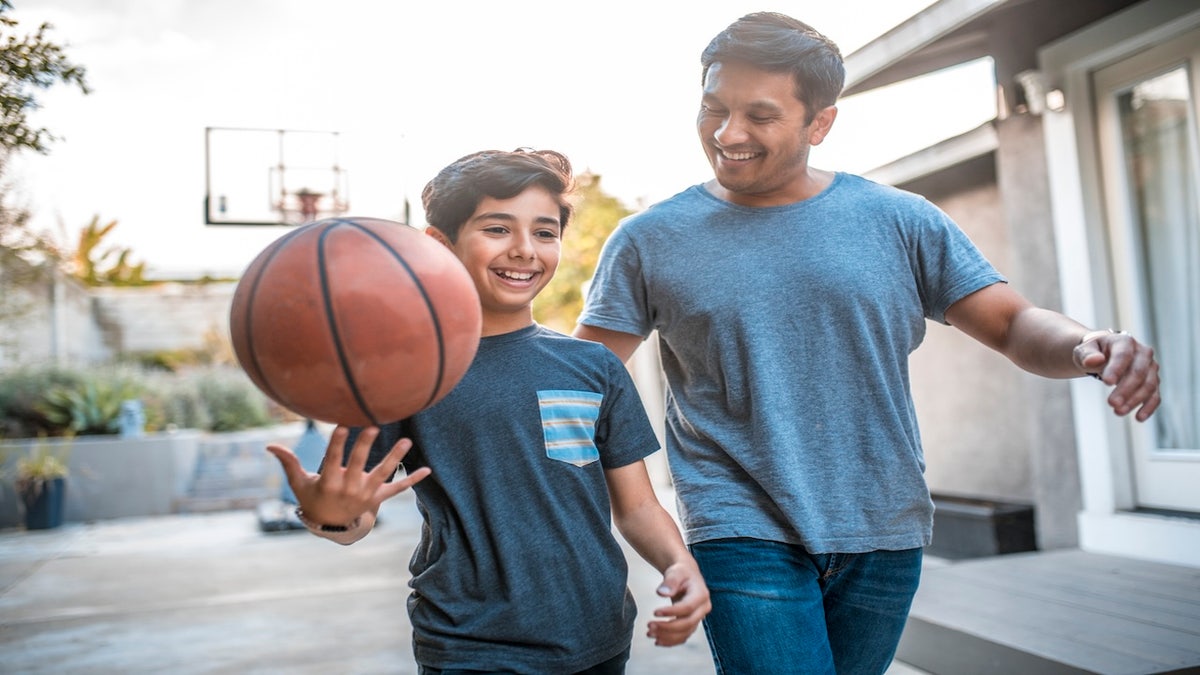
(968,397)
(1022,176)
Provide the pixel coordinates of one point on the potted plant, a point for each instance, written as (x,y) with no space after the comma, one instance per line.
(41,487)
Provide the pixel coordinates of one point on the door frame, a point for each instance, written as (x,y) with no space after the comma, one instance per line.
(1109,521)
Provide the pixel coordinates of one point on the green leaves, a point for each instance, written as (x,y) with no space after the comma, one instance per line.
(93,408)
(29,62)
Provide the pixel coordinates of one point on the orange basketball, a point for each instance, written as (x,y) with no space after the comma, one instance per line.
(355,321)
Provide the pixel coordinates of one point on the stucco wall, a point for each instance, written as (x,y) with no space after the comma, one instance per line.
(72,325)
(58,326)
(170,316)
(968,400)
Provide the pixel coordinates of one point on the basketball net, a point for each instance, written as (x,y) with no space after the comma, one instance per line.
(305,205)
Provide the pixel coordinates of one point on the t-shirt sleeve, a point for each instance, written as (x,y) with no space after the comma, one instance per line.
(616,297)
(947,264)
(623,431)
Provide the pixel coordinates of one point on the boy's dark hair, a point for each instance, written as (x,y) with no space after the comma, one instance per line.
(455,192)
(777,43)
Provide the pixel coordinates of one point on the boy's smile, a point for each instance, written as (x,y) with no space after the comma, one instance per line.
(511,249)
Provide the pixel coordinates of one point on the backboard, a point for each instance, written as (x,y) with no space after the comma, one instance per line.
(272,176)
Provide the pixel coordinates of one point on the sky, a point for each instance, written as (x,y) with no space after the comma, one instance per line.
(409,87)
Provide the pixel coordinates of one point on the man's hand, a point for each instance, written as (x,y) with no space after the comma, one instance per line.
(1126,364)
(690,603)
(338,495)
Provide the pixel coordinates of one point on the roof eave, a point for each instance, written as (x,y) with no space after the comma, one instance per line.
(922,44)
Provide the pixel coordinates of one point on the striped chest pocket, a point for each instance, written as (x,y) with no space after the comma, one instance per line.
(569,425)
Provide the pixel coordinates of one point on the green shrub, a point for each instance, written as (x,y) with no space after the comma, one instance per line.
(21,390)
(93,407)
(56,401)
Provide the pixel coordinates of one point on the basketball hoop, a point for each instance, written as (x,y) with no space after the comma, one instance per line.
(297,206)
(272,176)
(305,205)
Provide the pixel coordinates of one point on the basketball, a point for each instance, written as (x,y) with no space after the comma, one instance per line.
(355,321)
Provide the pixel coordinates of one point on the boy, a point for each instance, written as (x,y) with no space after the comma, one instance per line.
(535,453)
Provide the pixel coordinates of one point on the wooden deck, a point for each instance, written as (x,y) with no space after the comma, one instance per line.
(1055,612)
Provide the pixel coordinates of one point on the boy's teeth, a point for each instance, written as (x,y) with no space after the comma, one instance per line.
(518,276)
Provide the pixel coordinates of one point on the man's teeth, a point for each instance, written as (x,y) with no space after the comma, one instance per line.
(517,276)
(738,155)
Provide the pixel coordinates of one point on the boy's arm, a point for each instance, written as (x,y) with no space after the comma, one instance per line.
(648,527)
(341,502)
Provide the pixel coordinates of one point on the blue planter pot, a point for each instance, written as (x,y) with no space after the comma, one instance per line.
(44,509)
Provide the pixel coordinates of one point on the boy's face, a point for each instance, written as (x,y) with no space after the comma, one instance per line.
(511,249)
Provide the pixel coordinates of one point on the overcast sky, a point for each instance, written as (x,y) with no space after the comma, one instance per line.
(410,86)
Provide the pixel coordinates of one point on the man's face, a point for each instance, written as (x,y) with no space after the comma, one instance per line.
(754,132)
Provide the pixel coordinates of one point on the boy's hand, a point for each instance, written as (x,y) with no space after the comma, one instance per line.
(684,585)
(338,495)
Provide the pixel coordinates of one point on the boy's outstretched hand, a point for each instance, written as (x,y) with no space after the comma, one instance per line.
(341,495)
(684,585)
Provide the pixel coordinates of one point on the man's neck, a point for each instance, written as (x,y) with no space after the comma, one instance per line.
(810,184)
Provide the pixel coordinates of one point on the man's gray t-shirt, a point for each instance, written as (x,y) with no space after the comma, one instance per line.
(785,334)
(517,568)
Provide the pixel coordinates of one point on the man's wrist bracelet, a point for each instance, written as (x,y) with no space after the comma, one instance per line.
(321,527)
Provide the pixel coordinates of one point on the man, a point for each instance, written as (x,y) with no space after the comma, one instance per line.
(787,301)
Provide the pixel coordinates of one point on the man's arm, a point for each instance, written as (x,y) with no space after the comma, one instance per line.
(621,344)
(652,532)
(1049,344)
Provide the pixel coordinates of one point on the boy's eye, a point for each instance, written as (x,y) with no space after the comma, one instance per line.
(547,234)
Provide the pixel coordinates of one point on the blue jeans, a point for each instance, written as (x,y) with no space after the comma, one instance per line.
(779,609)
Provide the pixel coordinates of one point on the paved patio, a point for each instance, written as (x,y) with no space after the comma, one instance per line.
(211,593)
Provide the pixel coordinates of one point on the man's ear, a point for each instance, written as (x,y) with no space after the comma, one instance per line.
(821,124)
(438,235)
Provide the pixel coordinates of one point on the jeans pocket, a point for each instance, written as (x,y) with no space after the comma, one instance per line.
(569,425)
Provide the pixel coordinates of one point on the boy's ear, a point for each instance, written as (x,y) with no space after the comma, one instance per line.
(438,235)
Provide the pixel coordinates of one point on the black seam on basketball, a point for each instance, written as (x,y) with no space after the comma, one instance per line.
(252,297)
(327,301)
(433,316)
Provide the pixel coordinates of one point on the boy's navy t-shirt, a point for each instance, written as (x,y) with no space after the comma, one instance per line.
(517,568)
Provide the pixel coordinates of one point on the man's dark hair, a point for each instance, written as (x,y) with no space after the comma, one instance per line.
(777,43)
(454,194)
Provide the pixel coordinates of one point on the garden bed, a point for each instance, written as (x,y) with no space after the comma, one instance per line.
(158,473)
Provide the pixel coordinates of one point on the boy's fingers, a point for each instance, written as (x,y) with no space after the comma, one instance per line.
(389,490)
(288,460)
(335,449)
(360,451)
(391,461)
